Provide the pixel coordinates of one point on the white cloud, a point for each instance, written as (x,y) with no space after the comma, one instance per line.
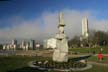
(46,25)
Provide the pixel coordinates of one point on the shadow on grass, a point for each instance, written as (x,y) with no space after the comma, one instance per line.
(27,69)
(79,58)
(30,69)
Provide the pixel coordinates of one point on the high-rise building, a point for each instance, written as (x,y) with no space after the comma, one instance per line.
(37,45)
(14,42)
(13,45)
(32,44)
(85,28)
(24,45)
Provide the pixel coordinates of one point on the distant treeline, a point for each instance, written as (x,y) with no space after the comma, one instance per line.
(96,38)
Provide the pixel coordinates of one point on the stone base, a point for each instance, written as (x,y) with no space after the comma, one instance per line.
(58,66)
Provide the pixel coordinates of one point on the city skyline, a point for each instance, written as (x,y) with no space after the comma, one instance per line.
(38,19)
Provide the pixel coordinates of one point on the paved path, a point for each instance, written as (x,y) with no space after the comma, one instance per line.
(103,55)
(90,62)
(31,64)
(97,63)
(81,55)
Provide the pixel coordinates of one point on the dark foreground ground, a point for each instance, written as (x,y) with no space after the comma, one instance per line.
(19,64)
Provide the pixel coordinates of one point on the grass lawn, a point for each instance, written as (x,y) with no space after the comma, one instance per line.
(95,59)
(90,50)
(96,68)
(13,62)
(19,64)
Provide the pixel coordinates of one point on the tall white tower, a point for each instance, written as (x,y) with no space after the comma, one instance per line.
(84,28)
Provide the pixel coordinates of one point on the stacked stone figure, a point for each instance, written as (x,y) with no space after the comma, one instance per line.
(61,51)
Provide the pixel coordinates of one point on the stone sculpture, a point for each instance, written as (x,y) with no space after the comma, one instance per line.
(61,51)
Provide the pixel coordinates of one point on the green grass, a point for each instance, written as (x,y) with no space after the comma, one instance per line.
(13,62)
(96,68)
(95,59)
(90,50)
(19,64)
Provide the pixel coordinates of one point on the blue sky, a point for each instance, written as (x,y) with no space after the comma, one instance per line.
(16,14)
(34,8)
